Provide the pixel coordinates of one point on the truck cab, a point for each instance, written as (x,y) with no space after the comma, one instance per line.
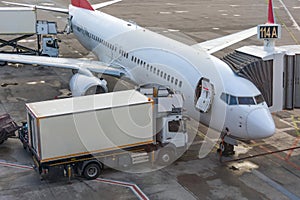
(171,134)
(173,131)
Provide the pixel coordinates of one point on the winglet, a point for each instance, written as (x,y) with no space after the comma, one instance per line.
(82,4)
(271,18)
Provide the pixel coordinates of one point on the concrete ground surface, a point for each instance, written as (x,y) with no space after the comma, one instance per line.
(274,176)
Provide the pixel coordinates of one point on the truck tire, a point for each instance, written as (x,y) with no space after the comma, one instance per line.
(166,156)
(92,171)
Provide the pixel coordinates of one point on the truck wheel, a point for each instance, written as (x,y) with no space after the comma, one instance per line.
(92,171)
(166,156)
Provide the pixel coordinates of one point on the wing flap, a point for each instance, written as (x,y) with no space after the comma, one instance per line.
(83,66)
(212,46)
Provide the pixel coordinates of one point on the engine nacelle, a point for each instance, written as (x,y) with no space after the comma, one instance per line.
(81,85)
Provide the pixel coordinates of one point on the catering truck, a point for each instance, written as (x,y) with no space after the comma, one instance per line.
(14,35)
(85,134)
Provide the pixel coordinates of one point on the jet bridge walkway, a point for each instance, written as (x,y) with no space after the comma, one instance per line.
(254,69)
(275,73)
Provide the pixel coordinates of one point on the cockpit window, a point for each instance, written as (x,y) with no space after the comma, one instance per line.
(246,101)
(225,97)
(232,100)
(229,99)
(259,99)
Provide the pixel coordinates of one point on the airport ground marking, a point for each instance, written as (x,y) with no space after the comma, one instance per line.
(15,165)
(133,187)
(296,142)
(275,185)
(285,26)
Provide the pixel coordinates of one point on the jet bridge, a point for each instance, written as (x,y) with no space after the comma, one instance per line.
(255,69)
(275,73)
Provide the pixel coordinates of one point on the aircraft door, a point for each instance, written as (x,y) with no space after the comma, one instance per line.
(204,95)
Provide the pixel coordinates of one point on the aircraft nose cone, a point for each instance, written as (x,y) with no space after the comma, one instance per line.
(260,124)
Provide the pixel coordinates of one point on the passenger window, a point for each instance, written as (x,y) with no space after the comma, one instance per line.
(158,72)
(232,100)
(168,78)
(165,76)
(180,83)
(161,74)
(172,79)
(246,101)
(176,81)
(151,69)
(154,70)
(147,66)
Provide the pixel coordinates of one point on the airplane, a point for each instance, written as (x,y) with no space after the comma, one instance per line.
(213,94)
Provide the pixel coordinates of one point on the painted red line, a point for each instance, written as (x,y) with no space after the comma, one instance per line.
(136,190)
(281,158)
(6,164)
(114,182)
(140,193)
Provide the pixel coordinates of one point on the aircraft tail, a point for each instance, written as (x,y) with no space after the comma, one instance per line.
(82,4)
(271,18)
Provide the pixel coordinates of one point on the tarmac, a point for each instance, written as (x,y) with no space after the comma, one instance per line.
(271,176)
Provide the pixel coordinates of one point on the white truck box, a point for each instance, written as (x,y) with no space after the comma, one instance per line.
(73,127)
(17,20)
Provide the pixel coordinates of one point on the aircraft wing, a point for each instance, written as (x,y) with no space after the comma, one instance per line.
(60,10)
(48,8)
(212,46)
(83,66)
(102,5)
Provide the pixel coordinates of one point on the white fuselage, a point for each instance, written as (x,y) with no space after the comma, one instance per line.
(152,58)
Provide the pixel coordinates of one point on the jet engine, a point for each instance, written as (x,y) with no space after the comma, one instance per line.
(81,85)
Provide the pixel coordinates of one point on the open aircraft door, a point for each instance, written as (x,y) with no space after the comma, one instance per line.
(204,95)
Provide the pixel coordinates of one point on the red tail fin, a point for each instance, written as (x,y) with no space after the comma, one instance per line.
(271,19)
(82,4)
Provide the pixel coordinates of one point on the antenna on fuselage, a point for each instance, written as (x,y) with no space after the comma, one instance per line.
(270,31)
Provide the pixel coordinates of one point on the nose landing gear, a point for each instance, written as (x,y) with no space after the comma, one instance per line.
(226,149)
(226,146)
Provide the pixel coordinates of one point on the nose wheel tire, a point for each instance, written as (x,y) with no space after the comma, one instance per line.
(226,149)
(92,171)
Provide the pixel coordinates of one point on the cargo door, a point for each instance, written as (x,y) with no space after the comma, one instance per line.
(33,134)
(204,95)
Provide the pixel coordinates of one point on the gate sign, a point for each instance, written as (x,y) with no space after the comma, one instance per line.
(269,31)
